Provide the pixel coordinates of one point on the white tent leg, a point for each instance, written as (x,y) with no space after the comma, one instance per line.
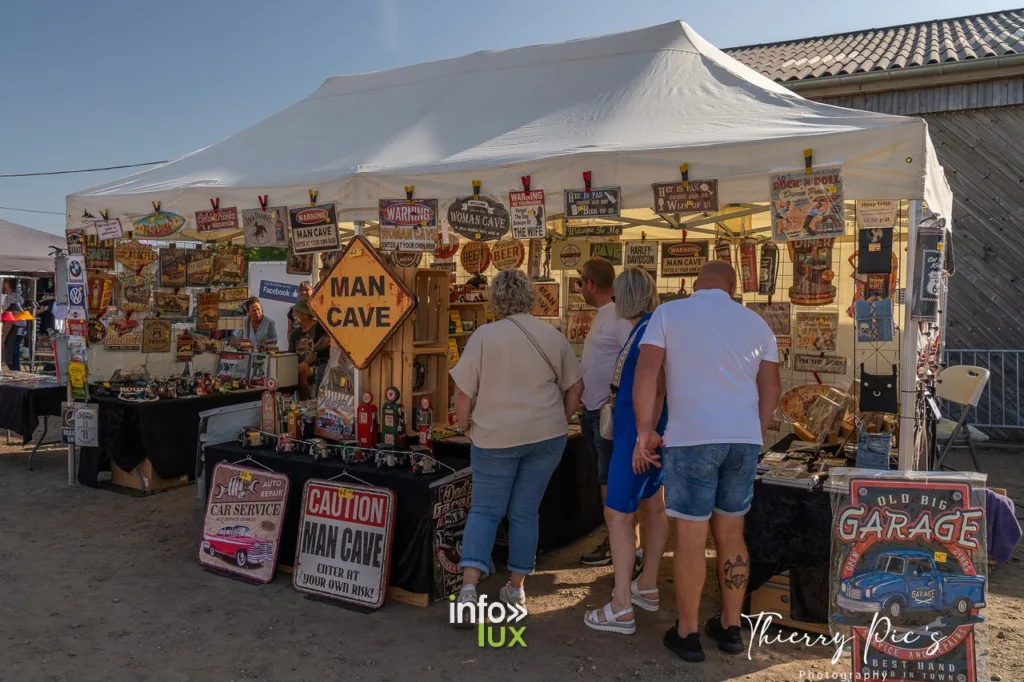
(908,352)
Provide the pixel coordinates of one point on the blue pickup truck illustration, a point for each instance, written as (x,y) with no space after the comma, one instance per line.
(908,581)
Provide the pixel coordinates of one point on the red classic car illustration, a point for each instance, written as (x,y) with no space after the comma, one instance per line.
(238,543)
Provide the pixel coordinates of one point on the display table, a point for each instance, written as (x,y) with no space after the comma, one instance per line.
(165,432)
(24,398)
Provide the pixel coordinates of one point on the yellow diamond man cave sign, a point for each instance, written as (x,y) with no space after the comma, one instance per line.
(362,302)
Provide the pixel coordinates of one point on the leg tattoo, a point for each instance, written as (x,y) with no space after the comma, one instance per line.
(735,573)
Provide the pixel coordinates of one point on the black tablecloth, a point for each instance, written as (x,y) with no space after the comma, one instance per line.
(21,404)
(164,431)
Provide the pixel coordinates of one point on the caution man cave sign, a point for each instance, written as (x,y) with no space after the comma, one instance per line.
(362,302)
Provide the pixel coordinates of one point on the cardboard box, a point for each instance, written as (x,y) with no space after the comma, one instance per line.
(150,481)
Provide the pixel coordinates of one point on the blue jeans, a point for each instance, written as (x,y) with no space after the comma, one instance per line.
(508,481)
(873,450)
(600,448)
(717,477)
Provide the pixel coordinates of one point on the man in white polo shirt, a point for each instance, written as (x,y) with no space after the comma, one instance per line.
(722,387)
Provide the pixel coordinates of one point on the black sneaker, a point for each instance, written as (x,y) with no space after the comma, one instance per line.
(687,648)
(638,565)
(729,639)
(601,556)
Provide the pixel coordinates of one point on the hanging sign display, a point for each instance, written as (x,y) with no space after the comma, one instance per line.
(75,241)
(877,213)
(642,255)
(407,224)
(208,312)
(570,255)
(449,501)
(173,267)
(228,265)
(808,204)
(156,335)
(134,255)
(527,214)
(507,254)
(265,227)
(696,196)
(99,257)
(609,251)
(344,547)
(108,229)
(361,302)
(776,315)
(87,425)
(198,267)
(243,520)
(220,220)
(314,228)
(908,568)
(683,258)
(599,202)
(546,304)
(123,335)
(573,231)
(157,225)
(174,305)
(483,218)
(136,291)
(817,331)
(475,257)
(812,272)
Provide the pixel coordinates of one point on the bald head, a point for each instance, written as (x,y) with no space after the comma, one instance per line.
(716,274)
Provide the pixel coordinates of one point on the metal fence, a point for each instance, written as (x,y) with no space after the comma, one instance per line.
(998,413)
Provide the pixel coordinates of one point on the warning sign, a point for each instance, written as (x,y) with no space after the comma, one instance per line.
(685,258)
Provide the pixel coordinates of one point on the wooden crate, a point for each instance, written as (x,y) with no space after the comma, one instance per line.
(431,316)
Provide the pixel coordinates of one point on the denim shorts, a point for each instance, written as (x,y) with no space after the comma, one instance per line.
(717,477)
(600,448)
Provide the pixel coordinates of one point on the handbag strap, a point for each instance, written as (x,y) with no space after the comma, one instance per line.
(536,346)
(620,362)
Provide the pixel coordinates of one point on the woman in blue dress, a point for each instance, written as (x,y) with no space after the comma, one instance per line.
(632,483)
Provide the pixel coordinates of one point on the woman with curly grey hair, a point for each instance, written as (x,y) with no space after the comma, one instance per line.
(517,384)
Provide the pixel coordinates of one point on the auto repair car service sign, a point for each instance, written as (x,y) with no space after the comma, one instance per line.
(242,526)
(343,550)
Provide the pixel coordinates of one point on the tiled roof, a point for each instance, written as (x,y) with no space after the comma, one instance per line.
(983,36)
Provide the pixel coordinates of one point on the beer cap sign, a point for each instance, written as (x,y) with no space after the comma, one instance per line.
(507,254)
(361,302)
(476,257)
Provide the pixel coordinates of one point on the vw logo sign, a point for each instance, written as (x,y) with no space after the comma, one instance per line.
(76,294)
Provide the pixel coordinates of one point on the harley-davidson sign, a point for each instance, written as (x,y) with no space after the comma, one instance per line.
(481,219)
(408,225)
(684,258)
(314,228)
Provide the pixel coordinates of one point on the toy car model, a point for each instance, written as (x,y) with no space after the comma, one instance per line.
(238,543)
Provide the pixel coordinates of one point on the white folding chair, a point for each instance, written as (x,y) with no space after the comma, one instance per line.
(963,385)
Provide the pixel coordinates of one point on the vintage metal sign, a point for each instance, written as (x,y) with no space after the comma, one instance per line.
(696,196)
(108,229)
(507,254)
(407,224)
(642,255)
(76,303)
(315,228)
(134,255)
(156,335)
(228,265)
(157,225)
(475,257)
(600,202)
(573,231)
(208,311)
(816,331)
(76,269)
(221,220)
(575,297)
(267,227)
(812,272)
(683,258)
(546,304)
(403,259)
(242,526)
(777,315)
(199,267)
(610,251)
(808,204)
(136,291)
(570,255)
(908,575)
(67,422)
(580,322)
(174,305)
(99,257)
(822,364)
(877,213)
(173,264)
(929,265)
(449,501)
(361,302)
(75,241)
(87,425)
(124,335)
(482,219)
(299,264)
(527,214)
(344,546)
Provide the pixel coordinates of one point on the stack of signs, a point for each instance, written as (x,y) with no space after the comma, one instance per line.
(908,586)
(642,255)
(408,225)
(265,227)
(684,258)
(344,547)
(314,228)
(527,214)
(599,202)
(449,501)
(209,223)
(242,525)
(808,205)
(480,218)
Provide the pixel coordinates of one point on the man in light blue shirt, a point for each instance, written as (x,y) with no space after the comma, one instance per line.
(258,328)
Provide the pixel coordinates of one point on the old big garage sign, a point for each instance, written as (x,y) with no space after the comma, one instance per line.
(361,303)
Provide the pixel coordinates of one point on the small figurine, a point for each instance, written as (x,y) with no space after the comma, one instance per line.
(253,437)
(294,421)
(366,422)
(424,422)
(392,420)
(318,448)
(422,464)
(285,444)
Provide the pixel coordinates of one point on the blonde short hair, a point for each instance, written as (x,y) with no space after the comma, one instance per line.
(635,293)
(511,293)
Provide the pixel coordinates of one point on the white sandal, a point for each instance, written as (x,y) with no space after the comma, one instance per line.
(638,598)
(611,621)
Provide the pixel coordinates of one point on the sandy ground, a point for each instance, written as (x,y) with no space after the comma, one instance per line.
(100,586)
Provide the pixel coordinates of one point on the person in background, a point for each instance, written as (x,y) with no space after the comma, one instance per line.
(44,312)
(517,416)
(720,362)
(14,334)
(313,347)
(305,291)
(632,482)
(607,335)
(258,328)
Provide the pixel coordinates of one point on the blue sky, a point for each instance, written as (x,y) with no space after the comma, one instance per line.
(86,84)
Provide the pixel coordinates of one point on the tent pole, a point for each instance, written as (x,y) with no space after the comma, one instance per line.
(908,353)
(357,374)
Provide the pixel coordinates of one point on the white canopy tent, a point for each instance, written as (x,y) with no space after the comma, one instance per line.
(629,107)
(24,250)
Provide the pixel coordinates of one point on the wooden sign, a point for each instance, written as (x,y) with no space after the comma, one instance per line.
(527,214)
(680,259)
(136,291)
(134,255)
(174,305)
(609,251)
(569,255)
(482,218)
(573,231)
(222,220)
(228,265)
(808,205)
(156,335)
(157,225)
(697,196)
(314,228)
(344,547)
(642,255)
(600,202)
(242,526)
(199,267)
(108,229)
(822,364)
(777,315)
(408,225)
(547,299)
(475,257)
(208,311)
(361,302)
(173,262)
(507,254)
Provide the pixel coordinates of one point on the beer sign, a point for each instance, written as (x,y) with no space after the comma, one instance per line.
(408,225)
(361,302)
(314,228)
(685,258)
(600,202)
(507,254)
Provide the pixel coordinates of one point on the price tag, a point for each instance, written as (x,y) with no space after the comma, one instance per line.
(940,557)
(245,476)
(345,493)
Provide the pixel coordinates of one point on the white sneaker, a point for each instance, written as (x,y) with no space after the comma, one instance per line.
(511,595)
(467,595)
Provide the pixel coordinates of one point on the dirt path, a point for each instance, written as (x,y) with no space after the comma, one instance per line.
(100,586)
